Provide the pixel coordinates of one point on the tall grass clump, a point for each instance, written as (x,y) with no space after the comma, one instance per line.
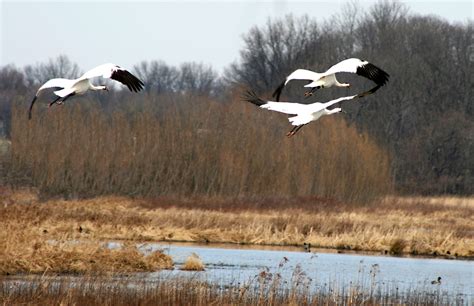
(186,146)
(193,263)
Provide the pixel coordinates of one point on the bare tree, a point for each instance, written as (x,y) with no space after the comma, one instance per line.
(11,78)
(60,67)
(12,87)
(197,79)
(158,76)
(272,51)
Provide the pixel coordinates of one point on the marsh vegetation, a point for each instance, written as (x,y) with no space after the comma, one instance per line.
(431,227)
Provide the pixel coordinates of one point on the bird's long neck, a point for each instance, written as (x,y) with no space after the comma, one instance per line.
(331,111)
(341,84)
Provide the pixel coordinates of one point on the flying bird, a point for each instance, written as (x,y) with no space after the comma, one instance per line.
(328,79)
(68,88)
(304,113)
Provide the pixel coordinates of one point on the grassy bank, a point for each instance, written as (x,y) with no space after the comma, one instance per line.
(27,246)
(40,256)
(440,226)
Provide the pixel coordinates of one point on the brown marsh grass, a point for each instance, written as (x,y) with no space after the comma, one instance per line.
(407,225)
(28,247)
(193,147)
(20,255)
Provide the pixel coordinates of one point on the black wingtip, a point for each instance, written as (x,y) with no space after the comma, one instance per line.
(125,77)
(138,84)
(251,97)
(277,93)
(373,73)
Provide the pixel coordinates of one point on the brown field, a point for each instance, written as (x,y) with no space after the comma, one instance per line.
(440,226)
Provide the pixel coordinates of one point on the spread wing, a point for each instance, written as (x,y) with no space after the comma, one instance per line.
(117,73)
(56,83)
(53,83)
(282,107)
(362,68)
(299,74)
(361,95)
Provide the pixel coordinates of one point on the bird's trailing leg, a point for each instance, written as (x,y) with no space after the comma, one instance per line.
(290,133)
(310,92)
(60,102)
(299,128)
(55,101)
(65,98)
(294,130)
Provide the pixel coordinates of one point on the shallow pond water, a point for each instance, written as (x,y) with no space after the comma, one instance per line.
(229,266)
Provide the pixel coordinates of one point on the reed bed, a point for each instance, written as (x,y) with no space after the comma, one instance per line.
(263,289)
(193,146)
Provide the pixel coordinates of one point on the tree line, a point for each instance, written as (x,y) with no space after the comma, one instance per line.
(423,116)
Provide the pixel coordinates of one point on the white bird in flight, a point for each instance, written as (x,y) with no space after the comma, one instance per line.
(304,113)
(328,78)
(79,86)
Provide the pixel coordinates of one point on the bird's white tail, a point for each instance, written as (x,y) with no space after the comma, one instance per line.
(299,120)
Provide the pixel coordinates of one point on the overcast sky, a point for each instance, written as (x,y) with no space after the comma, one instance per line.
(125,33)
